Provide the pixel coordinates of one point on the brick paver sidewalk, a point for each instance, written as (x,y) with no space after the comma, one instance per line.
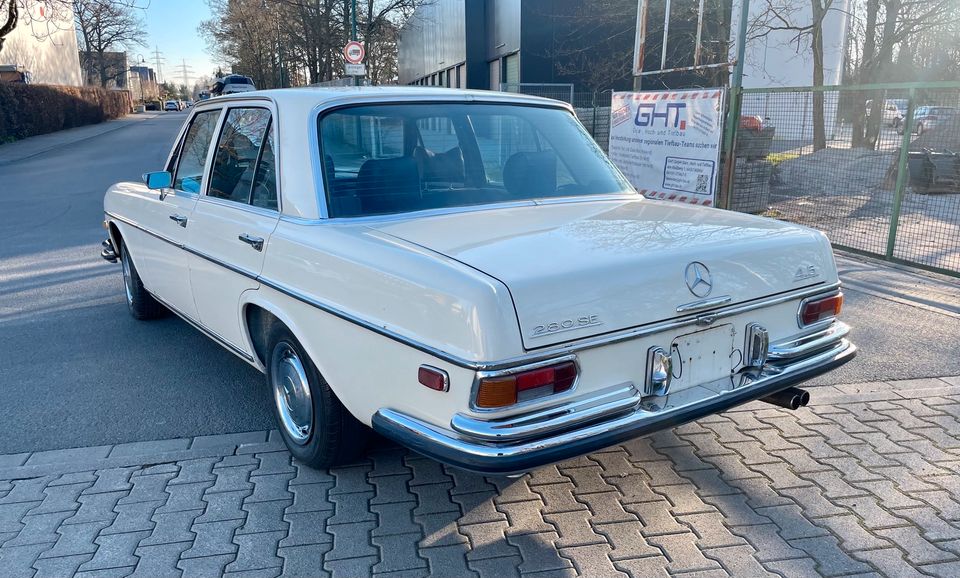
(865,480)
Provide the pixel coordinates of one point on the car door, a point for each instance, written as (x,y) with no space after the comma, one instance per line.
(233,220)
(161,261)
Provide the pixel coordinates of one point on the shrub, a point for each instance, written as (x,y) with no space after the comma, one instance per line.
(32,109)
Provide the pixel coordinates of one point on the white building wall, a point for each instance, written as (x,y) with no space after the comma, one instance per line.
(776,60)
(45,44)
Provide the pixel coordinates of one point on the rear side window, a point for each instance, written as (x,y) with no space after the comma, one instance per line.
(243,163)
(193,151)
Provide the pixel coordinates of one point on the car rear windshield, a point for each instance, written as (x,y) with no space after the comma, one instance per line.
(398,158)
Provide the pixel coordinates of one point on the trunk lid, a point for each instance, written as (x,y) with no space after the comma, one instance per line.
(579,269)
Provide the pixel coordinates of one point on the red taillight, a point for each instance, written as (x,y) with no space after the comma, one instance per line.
(817,310)
(433,378)
(505,390)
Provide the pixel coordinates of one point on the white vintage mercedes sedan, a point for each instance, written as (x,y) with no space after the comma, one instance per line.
(467,274)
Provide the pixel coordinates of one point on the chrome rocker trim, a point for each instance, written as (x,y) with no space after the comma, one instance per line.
(653,414)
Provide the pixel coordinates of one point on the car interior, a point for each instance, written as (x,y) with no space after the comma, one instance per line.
(377,163)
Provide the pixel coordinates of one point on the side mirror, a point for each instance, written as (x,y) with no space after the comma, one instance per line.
(158,180)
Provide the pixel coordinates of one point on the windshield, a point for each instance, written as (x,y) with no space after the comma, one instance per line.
(395,158)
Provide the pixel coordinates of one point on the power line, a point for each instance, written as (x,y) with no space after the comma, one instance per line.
(157,60)
(185,71)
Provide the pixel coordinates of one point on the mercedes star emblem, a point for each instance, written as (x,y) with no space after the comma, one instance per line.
(698,279)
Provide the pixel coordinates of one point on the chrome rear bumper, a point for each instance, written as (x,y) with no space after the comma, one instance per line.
(611,416)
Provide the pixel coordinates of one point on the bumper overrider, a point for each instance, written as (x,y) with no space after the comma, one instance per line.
(613,415)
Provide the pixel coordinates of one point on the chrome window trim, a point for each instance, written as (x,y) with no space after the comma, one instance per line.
(544,354)
(274,122)
(211,146)
(270,213)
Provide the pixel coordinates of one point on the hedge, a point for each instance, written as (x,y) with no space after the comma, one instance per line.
(32,109)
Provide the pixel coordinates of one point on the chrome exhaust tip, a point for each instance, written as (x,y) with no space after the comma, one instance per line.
(791,398)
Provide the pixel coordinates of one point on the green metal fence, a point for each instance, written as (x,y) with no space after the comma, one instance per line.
(875,167)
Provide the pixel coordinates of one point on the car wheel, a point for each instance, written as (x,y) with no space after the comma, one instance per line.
(317,429)
(919,128)
(140,302)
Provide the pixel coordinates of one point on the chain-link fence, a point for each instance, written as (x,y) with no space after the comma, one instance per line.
(878,169)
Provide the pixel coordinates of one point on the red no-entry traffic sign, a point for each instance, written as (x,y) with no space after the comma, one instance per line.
(353,52)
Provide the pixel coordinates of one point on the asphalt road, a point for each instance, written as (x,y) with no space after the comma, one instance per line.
(77,370)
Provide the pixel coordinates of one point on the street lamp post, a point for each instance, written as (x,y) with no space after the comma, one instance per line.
(353,32)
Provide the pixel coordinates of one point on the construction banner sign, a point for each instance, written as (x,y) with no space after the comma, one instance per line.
(668,143)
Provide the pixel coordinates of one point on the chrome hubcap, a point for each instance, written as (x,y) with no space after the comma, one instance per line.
(127,277)
(291,393)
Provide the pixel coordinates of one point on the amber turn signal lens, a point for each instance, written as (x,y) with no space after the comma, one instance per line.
(526,385)
(820,309)
(497,392)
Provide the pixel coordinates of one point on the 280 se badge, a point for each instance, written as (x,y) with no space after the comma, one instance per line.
(566,325)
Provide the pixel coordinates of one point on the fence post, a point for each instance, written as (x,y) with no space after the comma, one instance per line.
(901,175)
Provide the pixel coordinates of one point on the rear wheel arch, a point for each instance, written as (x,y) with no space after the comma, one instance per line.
(342,436)
(113,231)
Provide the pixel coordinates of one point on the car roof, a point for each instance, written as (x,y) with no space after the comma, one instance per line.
(316,96)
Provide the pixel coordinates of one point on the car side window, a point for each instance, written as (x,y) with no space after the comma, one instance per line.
(235,163)
(265,181)
(193,151)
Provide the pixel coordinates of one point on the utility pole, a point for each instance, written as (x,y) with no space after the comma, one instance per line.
(353,33)
(157,59)
(734,106)
(185,71)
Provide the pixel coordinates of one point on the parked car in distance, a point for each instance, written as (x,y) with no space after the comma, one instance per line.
(171,105)
(232,84)
(890,111)
(189,103)
(927,118)
(466,273)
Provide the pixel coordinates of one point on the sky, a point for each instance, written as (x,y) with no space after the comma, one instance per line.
(172,28)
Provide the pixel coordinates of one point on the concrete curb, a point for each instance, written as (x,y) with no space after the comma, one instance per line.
(55,462)
(107,127)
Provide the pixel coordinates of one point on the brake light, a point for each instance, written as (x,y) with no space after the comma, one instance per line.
(817,310)
(505,390)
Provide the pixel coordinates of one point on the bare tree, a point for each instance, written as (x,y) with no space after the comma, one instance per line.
(10,18)
(889,29)
(806,31)
(283,42)
(106,26)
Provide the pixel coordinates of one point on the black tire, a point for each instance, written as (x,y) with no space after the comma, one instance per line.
(335,437)
(919,128)
(141,303)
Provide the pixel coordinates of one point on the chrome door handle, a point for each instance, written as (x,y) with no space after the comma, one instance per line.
(255,242)
(180,219)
